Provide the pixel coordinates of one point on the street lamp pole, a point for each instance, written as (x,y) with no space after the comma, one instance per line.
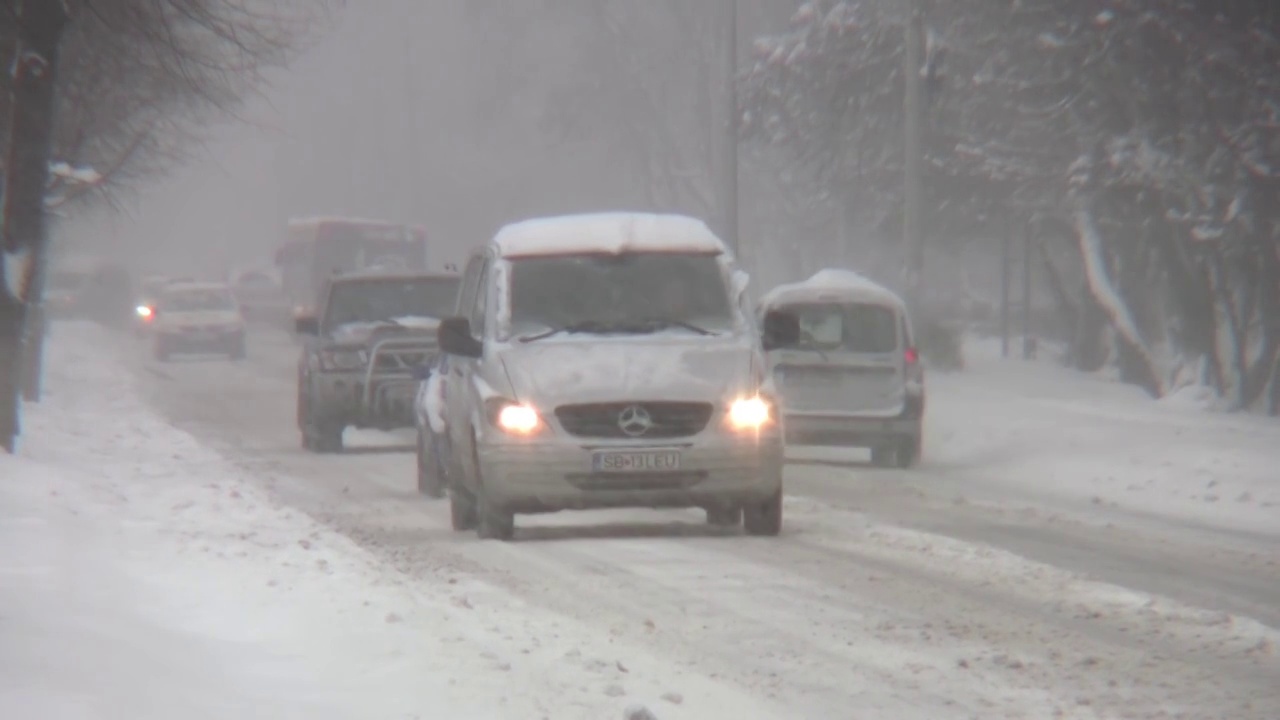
(913,205)
(731,131)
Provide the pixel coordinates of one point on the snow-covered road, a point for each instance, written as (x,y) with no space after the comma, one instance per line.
(964,589)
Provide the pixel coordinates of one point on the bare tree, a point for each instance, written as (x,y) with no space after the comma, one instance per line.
(121,88)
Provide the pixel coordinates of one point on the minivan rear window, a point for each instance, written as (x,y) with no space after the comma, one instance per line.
(853,327)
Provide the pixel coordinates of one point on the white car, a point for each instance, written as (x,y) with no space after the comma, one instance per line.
(196,318)
(854,377)
(607,360)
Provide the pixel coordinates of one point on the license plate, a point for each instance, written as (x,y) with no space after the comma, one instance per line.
(647,461)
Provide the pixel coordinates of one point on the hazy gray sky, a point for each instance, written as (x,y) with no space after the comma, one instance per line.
(443,113)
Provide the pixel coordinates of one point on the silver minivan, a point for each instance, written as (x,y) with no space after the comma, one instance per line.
(610,360)
(853,378)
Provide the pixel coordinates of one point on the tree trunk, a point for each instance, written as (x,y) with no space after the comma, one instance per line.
(1088,343)
(35,329)
(40,24)
(913,160)
(11,316)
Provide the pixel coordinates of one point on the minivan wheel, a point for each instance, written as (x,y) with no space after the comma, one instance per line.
(764,518)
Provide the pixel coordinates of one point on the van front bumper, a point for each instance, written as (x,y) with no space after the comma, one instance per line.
(557,473)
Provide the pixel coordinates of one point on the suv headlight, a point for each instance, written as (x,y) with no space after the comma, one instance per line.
(343,359)
(512,417)
(750,413)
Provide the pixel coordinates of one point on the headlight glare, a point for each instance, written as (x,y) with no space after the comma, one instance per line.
(514,418)
(750,413)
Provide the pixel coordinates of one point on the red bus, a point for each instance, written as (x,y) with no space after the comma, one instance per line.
(318,247)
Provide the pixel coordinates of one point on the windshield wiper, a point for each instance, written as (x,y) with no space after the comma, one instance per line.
(585,326)
(656,324)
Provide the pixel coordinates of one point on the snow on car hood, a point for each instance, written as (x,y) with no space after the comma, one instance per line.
(601,369)
(358,333)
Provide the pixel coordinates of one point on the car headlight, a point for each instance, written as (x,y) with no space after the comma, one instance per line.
(512,417)
(343,359)
(750,413)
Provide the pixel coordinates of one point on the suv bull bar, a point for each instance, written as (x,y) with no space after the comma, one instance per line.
(389,388)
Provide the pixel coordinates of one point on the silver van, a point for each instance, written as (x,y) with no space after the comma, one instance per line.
(853,378)
(609,360)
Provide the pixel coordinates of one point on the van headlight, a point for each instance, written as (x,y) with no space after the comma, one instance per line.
(750,413)
(512,417)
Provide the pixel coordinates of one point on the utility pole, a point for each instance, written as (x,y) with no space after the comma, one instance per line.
(731,130)
(913,148)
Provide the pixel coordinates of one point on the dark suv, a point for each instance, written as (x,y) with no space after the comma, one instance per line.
(360,353)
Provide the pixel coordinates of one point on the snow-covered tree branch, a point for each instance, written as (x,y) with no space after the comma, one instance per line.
(1154,132)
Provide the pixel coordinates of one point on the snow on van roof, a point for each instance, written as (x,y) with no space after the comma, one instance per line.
(608,232)
(830,282)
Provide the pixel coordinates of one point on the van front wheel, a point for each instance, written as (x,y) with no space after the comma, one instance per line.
(908,451)
(764,518)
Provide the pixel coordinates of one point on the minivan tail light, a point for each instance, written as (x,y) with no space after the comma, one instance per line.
(911,355)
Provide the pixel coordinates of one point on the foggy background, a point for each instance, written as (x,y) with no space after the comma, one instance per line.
(461,116)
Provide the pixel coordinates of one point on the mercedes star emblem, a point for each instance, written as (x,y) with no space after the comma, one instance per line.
(635,421)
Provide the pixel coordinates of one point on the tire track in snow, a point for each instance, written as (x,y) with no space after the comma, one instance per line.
(787,596)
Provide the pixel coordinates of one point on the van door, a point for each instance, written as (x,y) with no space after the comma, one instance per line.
(848,361)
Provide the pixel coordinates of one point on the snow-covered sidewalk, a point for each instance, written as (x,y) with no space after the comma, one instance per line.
(142,577)
(1035,428)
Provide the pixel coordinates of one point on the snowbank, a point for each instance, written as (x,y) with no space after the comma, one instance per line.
(145,578)
(1037,429)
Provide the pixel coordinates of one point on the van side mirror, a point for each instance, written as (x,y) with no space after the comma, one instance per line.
(781,330)
(306,325)
(454,336)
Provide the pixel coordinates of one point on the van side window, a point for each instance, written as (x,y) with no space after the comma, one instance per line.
(481,303)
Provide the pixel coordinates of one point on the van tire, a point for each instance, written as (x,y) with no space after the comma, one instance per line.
(493,523)
(907,454)
(764,519)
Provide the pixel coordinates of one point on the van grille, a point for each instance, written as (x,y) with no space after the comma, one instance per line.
(604,420)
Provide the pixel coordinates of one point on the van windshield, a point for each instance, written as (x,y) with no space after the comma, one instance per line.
(853,327)
(630,292)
